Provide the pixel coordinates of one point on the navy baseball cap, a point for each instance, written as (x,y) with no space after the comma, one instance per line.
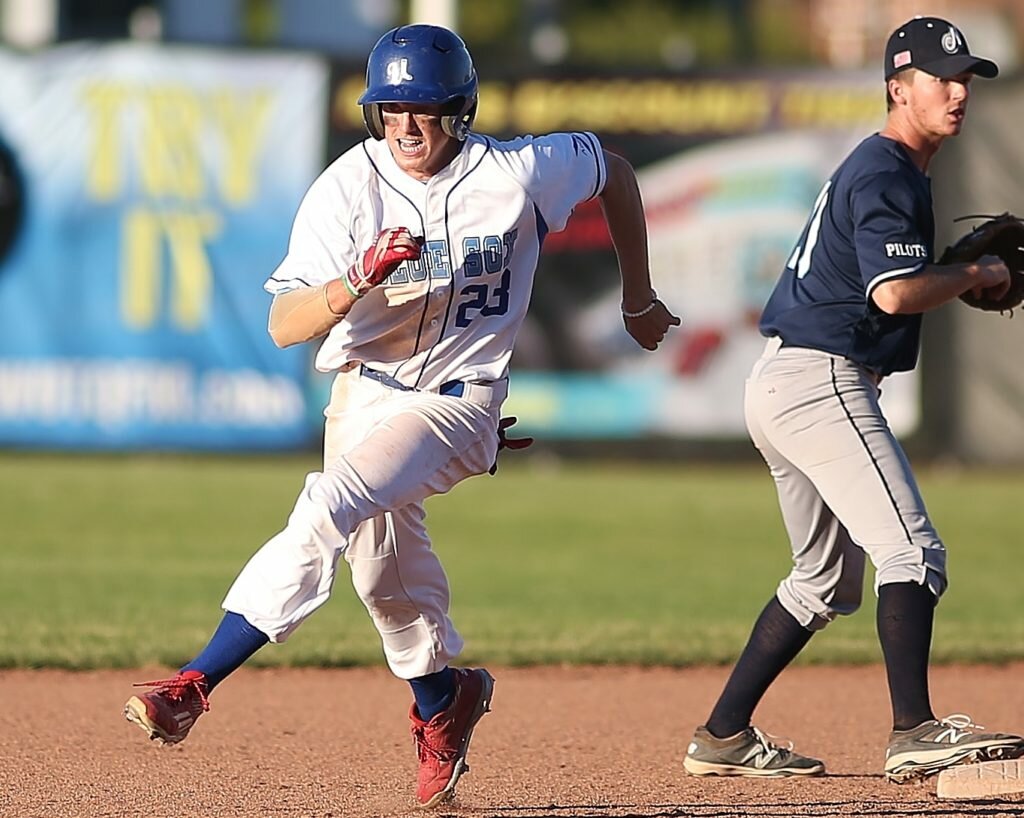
(935,46)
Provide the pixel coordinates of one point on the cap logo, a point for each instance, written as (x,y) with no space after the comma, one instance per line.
(398,71)
(901,59)
(951,41)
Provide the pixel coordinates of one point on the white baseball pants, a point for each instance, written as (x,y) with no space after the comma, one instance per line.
(844,483)
(385,451)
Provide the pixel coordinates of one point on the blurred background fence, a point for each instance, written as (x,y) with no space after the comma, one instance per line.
(153,155)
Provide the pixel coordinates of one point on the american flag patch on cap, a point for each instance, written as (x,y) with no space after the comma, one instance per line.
(901,59)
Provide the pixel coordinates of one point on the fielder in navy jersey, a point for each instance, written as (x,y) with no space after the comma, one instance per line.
(845,313)
(872,223)
(411,261)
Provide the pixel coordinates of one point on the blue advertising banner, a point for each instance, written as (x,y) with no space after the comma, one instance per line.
(156,192)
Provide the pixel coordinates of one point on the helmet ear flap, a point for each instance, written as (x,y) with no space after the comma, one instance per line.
(373,120)
(458,125)
(454,127)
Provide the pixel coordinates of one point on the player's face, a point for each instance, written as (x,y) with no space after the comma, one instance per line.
(413,132)
(938,105)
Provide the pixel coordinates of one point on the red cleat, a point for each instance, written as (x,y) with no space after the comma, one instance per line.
(168,712)
(442,742)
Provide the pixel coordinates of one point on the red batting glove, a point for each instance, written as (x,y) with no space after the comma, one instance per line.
(389,250)
(506,442)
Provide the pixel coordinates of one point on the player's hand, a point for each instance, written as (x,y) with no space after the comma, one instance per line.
(650,329)
(391,247)
(506,442)
(992,278)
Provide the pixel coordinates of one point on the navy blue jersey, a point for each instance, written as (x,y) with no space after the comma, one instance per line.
(872,222)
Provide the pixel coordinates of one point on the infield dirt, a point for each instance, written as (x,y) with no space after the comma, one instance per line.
(561,742)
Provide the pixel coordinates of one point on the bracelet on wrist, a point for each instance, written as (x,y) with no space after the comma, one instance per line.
(645,310)
(351,289)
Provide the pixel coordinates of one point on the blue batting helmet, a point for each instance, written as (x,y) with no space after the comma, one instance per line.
(421,64)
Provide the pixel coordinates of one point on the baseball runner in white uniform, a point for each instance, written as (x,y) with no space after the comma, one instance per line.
(413,256)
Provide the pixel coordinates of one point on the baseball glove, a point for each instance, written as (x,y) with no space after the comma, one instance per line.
(1001,236)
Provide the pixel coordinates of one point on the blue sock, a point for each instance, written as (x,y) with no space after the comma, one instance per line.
(433,693)
(234,641)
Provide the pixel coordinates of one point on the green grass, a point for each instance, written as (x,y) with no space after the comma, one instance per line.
(122,561)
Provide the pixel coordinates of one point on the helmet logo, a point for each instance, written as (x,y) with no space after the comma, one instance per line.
(951,41)
(398,71)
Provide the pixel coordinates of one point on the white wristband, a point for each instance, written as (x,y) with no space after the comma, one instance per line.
(645,310)
(352,289)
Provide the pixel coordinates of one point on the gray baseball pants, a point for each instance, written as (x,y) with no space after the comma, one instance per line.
(844,483)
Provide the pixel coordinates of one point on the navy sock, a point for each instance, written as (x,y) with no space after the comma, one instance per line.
(905,614)
(234,641)
(433,693)
(775,641)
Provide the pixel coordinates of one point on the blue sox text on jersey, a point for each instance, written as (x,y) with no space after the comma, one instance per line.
(487,254)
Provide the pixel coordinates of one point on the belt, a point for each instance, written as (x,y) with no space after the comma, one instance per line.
(455,389)
(777,342)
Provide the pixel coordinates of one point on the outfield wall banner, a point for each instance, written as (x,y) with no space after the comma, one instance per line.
(156,190)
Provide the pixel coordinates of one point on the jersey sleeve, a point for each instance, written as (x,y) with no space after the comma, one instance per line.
(561,171)
(890,232)
(320,245)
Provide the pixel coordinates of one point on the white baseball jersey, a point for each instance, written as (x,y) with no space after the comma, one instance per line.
(454,313)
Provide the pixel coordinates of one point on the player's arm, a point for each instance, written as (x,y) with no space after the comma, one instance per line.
(937,284)
(301,315)
(886,211)
(624,212)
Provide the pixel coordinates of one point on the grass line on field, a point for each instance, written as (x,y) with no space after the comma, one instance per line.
(123,561)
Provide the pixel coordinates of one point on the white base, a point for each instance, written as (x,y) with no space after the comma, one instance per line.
(982,780)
